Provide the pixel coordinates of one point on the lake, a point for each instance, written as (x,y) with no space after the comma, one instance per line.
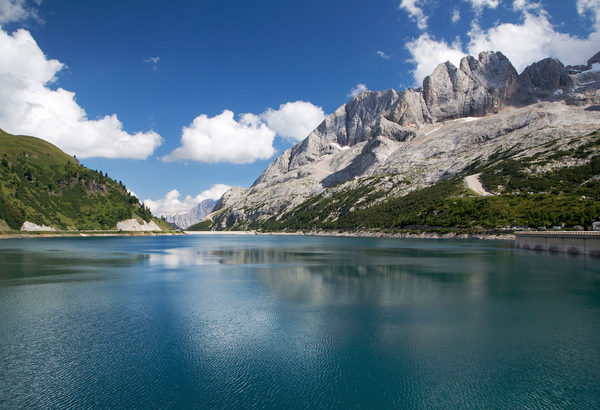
(242,321)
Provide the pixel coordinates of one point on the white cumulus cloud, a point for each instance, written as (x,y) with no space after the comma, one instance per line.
(170,204)
(427,53)
(542,40)
(592,7)
(29,106)
(479,5)
(414,8)
(17,10)
(224,139)
(294,120)
(531,40)
(359,88)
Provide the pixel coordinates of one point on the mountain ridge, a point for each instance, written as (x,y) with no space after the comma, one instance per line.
(423,136)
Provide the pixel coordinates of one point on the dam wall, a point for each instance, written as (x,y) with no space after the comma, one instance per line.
(576,242)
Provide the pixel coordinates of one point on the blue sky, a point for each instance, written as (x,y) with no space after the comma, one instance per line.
(121,82)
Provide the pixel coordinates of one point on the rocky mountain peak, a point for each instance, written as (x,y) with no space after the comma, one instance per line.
(543,79)
(477,87)
(354,122)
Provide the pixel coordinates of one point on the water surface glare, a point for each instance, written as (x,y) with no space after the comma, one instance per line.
(295,322)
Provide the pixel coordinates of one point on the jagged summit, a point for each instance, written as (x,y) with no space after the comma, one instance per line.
(476,88)
(423,135)
(543,80)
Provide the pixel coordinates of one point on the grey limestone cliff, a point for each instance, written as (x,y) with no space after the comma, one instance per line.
(477,87)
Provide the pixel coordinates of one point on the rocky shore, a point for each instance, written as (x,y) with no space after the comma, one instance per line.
(368,234)
(422,235)
(405,235)
(357,234)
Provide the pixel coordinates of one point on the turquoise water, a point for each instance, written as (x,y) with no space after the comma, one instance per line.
(295,322)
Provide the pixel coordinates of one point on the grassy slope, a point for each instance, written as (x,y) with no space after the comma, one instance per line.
(41,184)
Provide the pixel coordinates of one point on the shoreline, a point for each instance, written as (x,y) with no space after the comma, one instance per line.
(384,235)
(82,234)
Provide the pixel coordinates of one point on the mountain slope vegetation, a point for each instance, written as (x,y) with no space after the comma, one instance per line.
(40,183)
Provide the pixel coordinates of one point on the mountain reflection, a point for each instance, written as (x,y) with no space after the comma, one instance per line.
(312,274)
(347,285)
(345,275)
(36,263)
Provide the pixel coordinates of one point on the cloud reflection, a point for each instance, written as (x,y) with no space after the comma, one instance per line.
(180,257)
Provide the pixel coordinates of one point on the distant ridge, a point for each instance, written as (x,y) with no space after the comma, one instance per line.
(193,216)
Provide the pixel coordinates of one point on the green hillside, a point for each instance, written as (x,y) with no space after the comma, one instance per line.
(41,184)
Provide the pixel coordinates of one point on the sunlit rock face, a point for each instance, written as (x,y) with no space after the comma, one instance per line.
(417,137)
(32,227)
(476,88)
(132,225)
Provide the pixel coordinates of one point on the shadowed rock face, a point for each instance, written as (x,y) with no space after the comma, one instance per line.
(461,114)
(544,78)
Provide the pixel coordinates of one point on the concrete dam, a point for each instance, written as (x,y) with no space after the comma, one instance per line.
(576,242)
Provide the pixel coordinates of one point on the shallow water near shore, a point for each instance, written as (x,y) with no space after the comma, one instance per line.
(213,321)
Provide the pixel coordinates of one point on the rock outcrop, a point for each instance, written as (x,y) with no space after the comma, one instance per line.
(132,225)
(31,227)
(417,137)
